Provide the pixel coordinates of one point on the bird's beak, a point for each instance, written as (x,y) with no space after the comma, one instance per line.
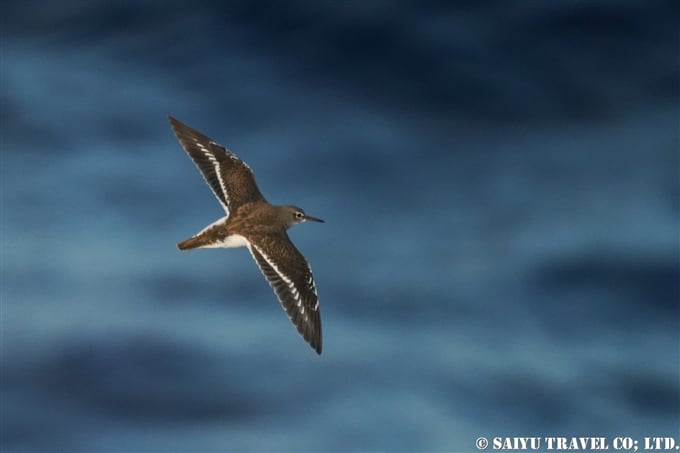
(313,219)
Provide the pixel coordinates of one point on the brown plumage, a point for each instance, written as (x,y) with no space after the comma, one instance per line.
(254,223)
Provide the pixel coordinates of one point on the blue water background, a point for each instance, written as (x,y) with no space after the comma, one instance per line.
(499,182)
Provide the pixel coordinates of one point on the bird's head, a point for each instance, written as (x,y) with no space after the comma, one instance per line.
(294,215)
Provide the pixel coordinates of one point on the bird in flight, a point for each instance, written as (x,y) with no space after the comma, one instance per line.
(252,222)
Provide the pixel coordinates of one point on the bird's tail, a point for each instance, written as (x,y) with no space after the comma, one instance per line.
(205,237)
(191,243)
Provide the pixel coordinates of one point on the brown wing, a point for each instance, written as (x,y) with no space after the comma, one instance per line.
(290,275)
(230,179)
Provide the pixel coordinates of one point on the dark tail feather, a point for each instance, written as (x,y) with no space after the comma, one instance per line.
(189,244)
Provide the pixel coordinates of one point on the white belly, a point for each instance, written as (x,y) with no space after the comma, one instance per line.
(230,242)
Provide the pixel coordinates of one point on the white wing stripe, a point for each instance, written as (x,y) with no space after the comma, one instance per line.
(219,173)
(282,276)
(216,166)
(293,290)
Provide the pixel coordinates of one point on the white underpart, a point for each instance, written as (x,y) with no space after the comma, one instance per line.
(230,242)
(216,165)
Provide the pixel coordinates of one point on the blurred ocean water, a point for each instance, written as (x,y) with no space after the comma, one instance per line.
(500,254)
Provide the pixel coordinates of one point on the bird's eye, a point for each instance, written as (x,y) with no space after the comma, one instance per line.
(299,215)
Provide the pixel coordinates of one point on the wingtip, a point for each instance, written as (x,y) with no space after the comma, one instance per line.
(316,344)
(314,337)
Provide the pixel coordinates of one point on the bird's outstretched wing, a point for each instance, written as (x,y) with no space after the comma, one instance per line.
(230,179)
(290,275)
